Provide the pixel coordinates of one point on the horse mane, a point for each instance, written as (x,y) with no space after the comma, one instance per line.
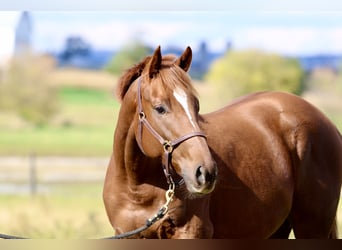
(133,73)
(129,77)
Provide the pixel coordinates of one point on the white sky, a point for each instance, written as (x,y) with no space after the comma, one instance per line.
(7,24)
(158,5)
(307,27)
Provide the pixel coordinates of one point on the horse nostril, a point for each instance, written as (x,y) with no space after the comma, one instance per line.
(200,176)
(203,176)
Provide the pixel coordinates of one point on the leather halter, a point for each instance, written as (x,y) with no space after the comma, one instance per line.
(168,145)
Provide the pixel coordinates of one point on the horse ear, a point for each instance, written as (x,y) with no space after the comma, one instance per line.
(155,63)
(184,61)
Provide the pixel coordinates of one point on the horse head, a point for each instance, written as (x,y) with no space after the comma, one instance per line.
(167,119)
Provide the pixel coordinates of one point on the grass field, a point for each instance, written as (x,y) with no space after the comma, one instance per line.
(83,126)
(70,211)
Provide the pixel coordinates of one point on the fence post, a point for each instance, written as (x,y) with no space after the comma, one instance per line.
(33,174)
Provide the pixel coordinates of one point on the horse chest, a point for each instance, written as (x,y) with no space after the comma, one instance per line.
(131,209)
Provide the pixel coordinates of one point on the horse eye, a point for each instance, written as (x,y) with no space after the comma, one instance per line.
(160,109)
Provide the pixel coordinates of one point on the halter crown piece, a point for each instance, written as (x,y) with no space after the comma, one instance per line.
(168,145)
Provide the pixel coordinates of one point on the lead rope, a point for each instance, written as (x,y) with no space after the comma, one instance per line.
(11,237)
(149,222)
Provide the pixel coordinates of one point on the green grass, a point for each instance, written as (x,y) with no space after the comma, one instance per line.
(84,126)
(85,96)
(67,141)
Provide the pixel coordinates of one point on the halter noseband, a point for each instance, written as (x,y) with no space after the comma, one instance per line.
(167,144)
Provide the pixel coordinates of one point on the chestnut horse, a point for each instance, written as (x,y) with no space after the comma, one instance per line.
(265,164)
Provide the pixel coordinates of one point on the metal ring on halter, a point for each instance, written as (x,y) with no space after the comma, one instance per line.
(168,147)
(142,116)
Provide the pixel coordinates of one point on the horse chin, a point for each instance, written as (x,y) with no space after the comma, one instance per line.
(193,192)
(187,187)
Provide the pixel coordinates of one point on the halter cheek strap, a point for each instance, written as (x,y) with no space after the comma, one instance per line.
(168,146)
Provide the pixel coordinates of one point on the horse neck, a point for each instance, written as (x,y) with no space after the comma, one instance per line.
(132,165)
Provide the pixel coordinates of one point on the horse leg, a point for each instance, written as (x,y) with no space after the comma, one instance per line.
(334,232)
(318,175)
(284,231)
(314,210)
(308,229)
(315,217)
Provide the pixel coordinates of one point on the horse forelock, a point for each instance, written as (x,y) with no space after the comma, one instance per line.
(172,77)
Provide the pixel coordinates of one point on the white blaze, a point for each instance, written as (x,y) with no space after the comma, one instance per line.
(182,98)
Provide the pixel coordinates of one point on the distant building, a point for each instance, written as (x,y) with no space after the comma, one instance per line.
(203,58)
(23,35)
(201,65)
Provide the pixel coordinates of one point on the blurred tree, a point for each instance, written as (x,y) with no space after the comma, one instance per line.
(241,72)
(75,45)
(24,89)
(127,57)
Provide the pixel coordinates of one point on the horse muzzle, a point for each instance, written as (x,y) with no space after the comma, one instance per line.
(203,180)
